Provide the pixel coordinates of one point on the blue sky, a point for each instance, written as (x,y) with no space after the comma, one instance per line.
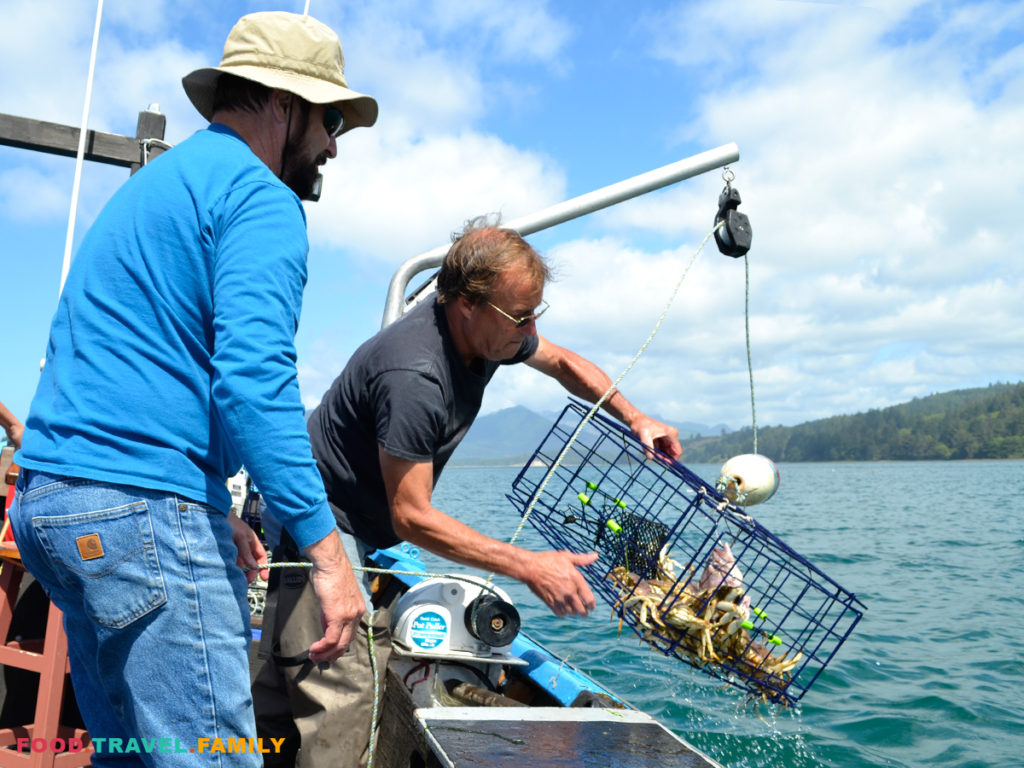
(882,168)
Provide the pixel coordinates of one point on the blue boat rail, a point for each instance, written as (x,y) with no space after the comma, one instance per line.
(688,571)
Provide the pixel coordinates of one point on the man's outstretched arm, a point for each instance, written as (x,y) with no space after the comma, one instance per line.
(582,378)
(551,575)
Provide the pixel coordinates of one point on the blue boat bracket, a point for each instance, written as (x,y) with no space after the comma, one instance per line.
(410,550)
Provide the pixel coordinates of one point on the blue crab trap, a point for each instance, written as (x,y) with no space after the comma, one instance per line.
(689,572)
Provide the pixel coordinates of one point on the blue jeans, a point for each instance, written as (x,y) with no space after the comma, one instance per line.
(156,615)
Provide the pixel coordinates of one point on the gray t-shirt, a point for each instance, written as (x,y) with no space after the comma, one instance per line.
(407,391)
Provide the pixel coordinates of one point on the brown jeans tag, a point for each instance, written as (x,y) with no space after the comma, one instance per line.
(89,546)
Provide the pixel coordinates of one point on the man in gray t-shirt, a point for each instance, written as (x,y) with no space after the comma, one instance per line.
(381,437)
(406,394)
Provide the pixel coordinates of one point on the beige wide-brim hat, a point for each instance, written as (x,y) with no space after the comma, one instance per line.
(288,51)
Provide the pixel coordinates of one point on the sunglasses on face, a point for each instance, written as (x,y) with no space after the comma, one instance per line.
(334,121)
(521,321)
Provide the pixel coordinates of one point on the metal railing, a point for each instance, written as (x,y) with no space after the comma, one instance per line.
(566,211)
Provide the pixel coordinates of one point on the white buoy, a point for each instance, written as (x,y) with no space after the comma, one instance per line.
(748,479)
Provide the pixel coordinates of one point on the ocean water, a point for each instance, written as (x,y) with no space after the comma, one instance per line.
(932,676)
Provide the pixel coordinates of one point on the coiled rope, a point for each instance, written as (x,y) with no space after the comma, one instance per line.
(374,712)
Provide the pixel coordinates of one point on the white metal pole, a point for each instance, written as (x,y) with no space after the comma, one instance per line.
(566,211)
(69,239)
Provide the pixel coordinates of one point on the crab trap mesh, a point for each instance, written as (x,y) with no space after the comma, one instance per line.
(685,569)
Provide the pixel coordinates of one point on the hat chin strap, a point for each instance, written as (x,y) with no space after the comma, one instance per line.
(313,193)
(287,141)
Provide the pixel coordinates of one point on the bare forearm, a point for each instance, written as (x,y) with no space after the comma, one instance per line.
(583,379)
(445,536)
(337,590)
(328,554)
(11,426)
(552,576)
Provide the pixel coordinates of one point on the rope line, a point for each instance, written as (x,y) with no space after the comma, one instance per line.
(551,470)
(387,571)
(376,691)
(750,363)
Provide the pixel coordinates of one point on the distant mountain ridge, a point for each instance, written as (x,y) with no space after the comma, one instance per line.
(981,423)
(510,436)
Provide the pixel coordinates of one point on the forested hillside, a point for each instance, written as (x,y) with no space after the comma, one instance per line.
(983,423)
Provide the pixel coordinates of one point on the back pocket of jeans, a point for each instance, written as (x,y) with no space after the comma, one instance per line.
(109,558)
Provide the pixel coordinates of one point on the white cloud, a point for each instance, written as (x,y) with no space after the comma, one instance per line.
(526,31)
(31,195)
(389,196)
(48,44)
(397,189)
(879,186)
(417,87)
(605,304)
(416,176)
(430,65)
(44,59)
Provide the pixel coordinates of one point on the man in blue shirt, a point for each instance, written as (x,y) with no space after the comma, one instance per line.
(171,357)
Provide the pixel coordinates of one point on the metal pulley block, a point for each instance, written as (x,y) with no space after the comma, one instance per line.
(735,236)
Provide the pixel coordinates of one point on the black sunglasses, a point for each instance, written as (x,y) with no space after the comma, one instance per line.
(334,121)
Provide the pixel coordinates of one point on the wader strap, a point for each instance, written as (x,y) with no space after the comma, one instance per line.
(270,611)
(289,661)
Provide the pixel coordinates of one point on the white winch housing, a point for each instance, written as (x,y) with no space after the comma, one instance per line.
(430,622)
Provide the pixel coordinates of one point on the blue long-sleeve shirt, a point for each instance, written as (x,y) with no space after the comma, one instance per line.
(171,358)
